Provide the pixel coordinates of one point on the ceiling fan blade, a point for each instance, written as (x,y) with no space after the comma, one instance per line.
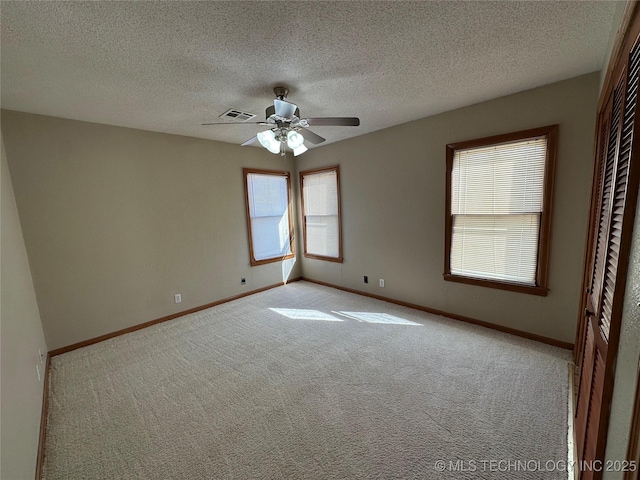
(236,123)
(243,123)
(253,139)
(312,137)
(284,109)
(333,121)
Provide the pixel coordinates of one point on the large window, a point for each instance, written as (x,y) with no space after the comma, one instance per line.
(269,219)
(320,190)
(498,215)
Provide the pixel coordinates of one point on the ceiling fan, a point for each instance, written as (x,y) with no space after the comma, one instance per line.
(286,126)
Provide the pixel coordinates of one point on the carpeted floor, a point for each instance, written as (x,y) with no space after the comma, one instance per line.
(308,382)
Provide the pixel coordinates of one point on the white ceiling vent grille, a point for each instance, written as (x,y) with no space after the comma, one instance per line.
(237,115)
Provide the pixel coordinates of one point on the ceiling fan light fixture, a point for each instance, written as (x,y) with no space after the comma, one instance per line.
(294,139)
(299,150)
(268,140)
(285,123)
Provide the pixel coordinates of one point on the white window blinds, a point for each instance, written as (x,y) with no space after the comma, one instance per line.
(496,208)
(268,197)
(322,222)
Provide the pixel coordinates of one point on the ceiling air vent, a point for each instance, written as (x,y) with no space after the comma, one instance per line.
(237,115)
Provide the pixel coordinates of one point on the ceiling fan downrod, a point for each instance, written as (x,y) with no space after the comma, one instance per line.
(281,92)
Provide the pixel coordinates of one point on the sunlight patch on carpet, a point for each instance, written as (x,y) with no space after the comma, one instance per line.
(376,317)
(301,314)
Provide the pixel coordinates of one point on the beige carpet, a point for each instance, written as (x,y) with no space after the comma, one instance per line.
(307,382)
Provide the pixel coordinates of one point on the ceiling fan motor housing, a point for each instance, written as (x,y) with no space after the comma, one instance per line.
(281,92)
(271,110)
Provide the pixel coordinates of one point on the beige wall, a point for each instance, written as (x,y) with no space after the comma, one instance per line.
(393,202)
(116,221)
(22,337)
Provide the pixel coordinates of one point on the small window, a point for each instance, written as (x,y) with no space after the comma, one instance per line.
(320,190)
(498,217)
(269,219)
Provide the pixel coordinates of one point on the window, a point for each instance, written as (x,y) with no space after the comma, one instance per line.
(269,219)
(320,190)
(498,215)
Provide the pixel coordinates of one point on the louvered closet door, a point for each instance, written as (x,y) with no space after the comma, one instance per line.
(616,191)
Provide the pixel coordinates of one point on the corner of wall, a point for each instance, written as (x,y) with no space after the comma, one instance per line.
(22,344)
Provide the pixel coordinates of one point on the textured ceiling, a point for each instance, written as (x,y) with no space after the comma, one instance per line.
(170,66)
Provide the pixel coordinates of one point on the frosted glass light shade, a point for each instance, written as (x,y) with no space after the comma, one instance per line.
(268,140)
(294,139)
(299,150)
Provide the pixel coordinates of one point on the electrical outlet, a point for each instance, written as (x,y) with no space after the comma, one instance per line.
(41,355)
(177,298)
(243,281)
(366,279)
(38,372)
(382,282)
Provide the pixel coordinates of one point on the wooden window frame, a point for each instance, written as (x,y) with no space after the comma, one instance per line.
(339,258)
(544,236)
(287,176)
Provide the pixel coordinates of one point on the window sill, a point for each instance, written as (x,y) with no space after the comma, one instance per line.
(255,263)
(320,257)
(513,287)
